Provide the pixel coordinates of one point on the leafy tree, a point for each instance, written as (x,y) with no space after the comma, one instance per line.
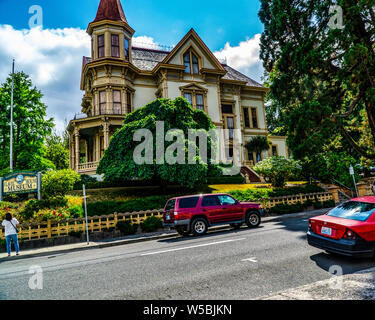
(278,170)
(30,126)
(321,74)
(118,162)
(258,144)
(57,152)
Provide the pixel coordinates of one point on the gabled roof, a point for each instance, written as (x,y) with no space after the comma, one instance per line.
(206,50)
(110,10)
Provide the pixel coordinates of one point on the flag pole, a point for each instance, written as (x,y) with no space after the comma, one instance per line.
(11,122)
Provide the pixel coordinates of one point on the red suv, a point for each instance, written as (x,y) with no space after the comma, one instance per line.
(194,214)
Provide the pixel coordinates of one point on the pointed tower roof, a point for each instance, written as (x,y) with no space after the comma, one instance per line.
(110,10)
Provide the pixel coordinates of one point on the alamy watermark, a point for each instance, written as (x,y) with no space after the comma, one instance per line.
(36,20)
(225,147)
(36,280)
(337,19)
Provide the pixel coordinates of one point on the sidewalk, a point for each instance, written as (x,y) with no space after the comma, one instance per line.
(356,286)
(136,238)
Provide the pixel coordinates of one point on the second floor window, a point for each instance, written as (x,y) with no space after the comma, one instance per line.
(102,102)
(101,51)
(115,45)
(200,102)
(191,63)
(250,118)
(117,102)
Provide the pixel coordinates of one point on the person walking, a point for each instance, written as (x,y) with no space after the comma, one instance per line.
(10,225)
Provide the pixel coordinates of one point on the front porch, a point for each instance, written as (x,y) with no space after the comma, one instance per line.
(89,138)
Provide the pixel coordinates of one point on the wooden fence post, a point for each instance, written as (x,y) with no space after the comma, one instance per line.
(49,231)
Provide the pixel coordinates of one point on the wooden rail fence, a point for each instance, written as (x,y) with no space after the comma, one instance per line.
(51,229)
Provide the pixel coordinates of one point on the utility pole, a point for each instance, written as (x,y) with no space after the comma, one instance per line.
(11,123)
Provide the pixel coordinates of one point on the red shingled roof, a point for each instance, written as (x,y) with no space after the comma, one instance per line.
(110,10)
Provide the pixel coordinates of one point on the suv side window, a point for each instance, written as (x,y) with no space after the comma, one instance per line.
(187,203)
(210,201)
(226,200)
(170,205)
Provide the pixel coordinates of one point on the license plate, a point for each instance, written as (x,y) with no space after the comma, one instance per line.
(168,217)
(326,231)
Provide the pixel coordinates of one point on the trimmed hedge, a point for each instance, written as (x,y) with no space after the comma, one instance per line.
(226,180)
(101,208)
(151,224)
(254,194)
(299,207)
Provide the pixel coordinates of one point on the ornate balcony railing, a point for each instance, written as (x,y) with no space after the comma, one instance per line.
(108,108)
(88,166)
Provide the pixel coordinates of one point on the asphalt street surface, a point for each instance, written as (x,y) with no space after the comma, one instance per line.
(243,264)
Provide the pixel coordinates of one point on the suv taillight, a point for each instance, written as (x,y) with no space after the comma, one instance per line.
(350,235)
(175,214)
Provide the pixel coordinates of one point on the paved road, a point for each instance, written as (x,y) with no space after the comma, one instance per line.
(244,264)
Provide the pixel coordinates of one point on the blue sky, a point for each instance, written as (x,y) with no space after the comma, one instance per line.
(52,54)
(217,21)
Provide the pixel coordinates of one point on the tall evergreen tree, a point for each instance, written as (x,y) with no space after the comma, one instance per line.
(322,72)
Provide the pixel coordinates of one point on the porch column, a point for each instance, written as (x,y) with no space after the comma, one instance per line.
(106,134)
(77,151)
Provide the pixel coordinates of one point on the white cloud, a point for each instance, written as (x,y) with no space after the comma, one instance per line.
(53,60)
(244,57)
(146,42)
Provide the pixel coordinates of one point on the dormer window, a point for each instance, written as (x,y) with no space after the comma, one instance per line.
(101,51)
(115,45)
(191,63)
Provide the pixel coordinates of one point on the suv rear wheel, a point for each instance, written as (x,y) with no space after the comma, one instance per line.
(252,219)
(199,226)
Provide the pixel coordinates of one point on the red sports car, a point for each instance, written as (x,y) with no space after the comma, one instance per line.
(348,229)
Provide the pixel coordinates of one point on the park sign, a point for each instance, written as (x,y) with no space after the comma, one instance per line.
(19,183)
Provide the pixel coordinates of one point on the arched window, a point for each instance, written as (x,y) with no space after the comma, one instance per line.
(191,62)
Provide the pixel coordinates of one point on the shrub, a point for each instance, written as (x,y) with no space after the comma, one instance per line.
(109,207)
(59,183)
(76,234)
(287,208)
(75,211)
(151,224)
(226,180)
(126,227)
(33,206)
(277,170)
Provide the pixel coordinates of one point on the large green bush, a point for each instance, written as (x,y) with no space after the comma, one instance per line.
(126,227)
(58,183)
(118,160)
(278,170)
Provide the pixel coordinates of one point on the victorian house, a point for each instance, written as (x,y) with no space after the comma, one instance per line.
(120,77)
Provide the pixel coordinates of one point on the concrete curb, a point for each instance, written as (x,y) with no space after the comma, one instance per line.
(143,238)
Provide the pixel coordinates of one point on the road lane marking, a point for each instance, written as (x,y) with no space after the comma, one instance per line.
(253,259)
(192,247)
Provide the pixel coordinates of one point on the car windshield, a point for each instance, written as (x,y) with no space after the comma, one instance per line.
(353,210)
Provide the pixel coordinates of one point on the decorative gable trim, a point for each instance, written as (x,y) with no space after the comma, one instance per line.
(192,34)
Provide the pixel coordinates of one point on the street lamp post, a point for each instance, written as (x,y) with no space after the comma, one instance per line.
(11,123)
